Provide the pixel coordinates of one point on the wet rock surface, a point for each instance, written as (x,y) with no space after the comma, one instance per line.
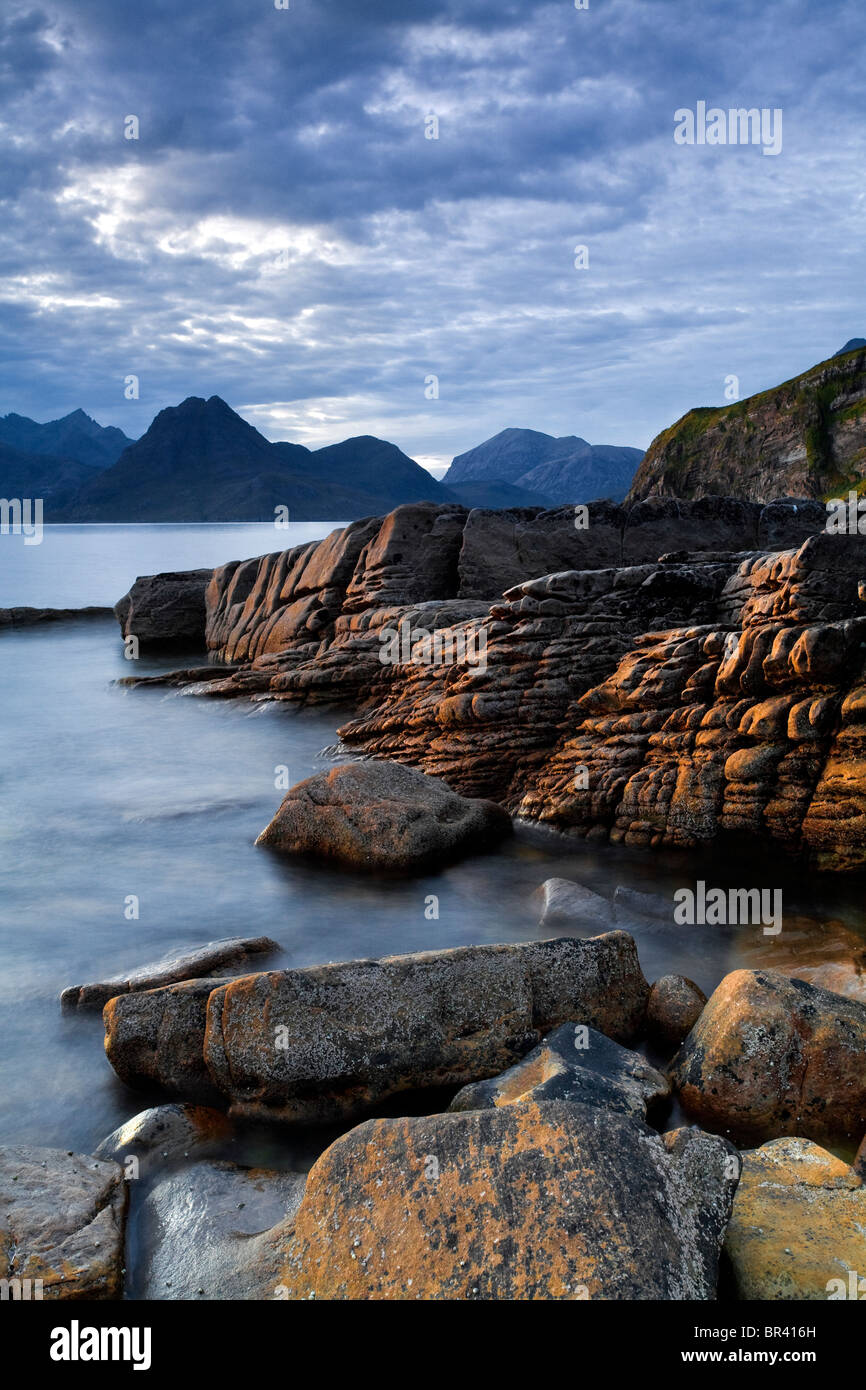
(528,1201)
(62,1218)
(166,1134)
(205,1232)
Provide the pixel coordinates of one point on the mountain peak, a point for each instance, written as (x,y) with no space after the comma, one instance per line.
(851,346)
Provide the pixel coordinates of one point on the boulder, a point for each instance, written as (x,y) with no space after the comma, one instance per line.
(674,1007)
(381,815)
(165,610)
(168,970)
(798,1225)
(62,1218)
(576,1064)
(330,1042)
(167,1134)
(204,1233)
(518,1202)
(771,1056)
(564,903)
(154,1039)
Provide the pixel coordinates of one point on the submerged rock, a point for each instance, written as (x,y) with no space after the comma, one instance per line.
(381,815)
(798,1226)
(574,1064)
(169,969)
(675,1004)
(205,1232)
(771,1056)
(529,1201)
(62,1219)
(30,617)
(567,904)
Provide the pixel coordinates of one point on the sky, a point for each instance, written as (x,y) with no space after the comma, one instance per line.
(285,233)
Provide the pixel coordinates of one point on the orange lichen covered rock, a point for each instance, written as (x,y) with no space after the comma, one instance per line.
(771,1056)
(527,1201)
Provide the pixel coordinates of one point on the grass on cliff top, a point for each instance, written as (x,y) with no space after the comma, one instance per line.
(695,423)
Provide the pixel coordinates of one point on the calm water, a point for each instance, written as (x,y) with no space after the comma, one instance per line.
(108,792)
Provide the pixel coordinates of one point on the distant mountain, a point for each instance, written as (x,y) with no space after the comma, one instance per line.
(851,346)
(805,438)
(75,437)
(567,469)
(55,480)
(199,461)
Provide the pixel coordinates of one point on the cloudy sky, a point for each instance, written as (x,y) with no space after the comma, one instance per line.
(283,234)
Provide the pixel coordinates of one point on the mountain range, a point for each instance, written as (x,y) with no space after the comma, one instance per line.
(561,470)
(200,461)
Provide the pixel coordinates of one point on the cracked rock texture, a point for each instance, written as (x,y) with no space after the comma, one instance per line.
(62,1218)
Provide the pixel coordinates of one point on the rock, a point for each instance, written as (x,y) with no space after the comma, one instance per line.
(331,1042)
(798,1225)
(62,1219)
(674,1007)
(154,1039)
(381,815)
(170,969)
(30,617)
(204,1232)
(567,904)
(800,437)
(167,1134)
(859,1165)
(165,610)
(771,1056)
(529,1201)
(574,1064)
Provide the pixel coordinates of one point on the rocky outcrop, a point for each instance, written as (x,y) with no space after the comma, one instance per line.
(663,703)
(165,610)
(798,1225)
(332,1041)
(169,970)
(805,438)
(575,1064)
(380,815)
(528,1201)
(771,1056)
(62,1218)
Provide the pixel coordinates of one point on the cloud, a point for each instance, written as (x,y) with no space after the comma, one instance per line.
(283,234)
